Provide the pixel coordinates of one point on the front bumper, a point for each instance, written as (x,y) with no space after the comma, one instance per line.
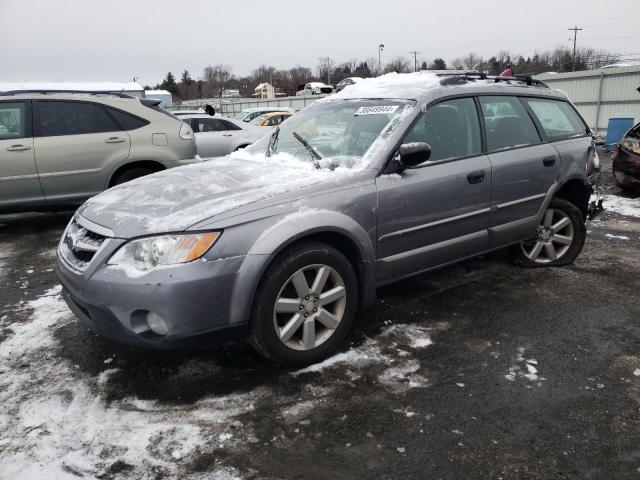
(194,299)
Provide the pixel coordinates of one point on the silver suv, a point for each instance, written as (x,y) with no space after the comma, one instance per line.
(60,148)
(286,240)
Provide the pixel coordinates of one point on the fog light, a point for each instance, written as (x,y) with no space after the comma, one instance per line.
(157,324)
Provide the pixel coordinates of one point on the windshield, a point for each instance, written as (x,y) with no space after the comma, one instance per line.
(341,132)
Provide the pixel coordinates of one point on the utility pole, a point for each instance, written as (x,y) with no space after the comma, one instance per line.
(415,60)
(575,30)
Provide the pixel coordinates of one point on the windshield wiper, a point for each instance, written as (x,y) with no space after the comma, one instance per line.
(315,156)
(273,142)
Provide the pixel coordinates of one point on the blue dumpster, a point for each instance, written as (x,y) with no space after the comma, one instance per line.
(616,130)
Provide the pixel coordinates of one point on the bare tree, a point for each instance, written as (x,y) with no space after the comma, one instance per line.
(471,61)
(325,68)
(398,65)
(457,63)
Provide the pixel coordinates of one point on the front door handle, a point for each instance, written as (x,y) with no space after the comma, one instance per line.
(115,140)
(476,177)
(18,148)
(226,135)
(549,161)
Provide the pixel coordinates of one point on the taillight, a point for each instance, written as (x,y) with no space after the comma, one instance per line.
(630,144)
(185,132)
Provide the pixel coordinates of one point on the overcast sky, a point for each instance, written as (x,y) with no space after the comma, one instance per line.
(115,40)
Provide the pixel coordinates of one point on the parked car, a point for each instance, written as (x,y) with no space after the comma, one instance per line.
(286,240)
(57,149)
(272,119)
(626,160)
(315,88)
(249,114)
(346,82)
(218,136)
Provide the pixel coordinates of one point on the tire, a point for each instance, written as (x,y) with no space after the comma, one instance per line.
(241,147)
(565,241)
(295,346)
(131,174)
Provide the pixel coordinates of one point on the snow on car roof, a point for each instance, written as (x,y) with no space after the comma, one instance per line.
(391,85)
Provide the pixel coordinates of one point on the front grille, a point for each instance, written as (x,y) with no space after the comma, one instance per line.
(79,245)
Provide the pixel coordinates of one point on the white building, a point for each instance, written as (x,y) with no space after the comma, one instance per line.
(166,100)
(264,90)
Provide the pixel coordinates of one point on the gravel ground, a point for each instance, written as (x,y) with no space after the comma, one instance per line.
(481,370)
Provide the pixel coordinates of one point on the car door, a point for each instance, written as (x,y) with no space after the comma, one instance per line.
(523,168)
(77,144)
(439,212)
(19,183)
(212,138)
(560,124)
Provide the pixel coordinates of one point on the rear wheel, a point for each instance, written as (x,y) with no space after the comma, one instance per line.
(131,174)
(559,237)
(305,306)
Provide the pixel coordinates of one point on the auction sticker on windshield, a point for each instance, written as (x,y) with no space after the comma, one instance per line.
(375,110)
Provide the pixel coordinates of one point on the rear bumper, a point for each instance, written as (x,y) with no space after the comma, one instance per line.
(626,169)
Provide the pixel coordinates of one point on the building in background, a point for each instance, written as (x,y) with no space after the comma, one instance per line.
(166,100)
(130,88)
(599,95)
(230,93)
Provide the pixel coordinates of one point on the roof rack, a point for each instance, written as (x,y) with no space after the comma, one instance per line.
(462,78)
(45,91)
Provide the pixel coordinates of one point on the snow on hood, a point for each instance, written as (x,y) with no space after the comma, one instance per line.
(176,199)
(391,85)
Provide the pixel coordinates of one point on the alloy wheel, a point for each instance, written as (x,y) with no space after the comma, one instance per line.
(553,238)
(309,307)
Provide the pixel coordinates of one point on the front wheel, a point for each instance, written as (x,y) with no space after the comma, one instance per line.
(558,240)
(305,305)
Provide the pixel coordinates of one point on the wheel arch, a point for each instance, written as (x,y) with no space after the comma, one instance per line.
(577,192)
(337,230)
(152,164)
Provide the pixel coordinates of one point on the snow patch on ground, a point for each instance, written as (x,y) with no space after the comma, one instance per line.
(617,237)
(629,207)
(525,368)
(56,424)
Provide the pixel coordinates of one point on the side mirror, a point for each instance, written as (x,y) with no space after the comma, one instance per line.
(412,154)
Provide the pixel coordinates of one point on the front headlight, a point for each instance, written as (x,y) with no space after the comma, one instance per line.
(145,254)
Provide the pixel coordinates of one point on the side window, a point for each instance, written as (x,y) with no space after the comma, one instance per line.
(558,119)
(507,123)
(209,125)
(73,118)
(451,128)
(229,125)
(126,120)
(13,122)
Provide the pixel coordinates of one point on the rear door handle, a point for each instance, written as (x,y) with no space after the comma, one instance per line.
(18,148)
(549,161)
(226,135)
(115,140)
(476,177)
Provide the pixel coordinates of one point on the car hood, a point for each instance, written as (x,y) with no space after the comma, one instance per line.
(176,199)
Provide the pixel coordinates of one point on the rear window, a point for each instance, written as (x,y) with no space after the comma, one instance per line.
(558,118)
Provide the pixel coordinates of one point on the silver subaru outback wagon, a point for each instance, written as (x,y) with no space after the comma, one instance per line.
(285,241)
(59,148)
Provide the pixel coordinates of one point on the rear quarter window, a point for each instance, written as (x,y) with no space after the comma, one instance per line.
(557,118)
(126,120)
